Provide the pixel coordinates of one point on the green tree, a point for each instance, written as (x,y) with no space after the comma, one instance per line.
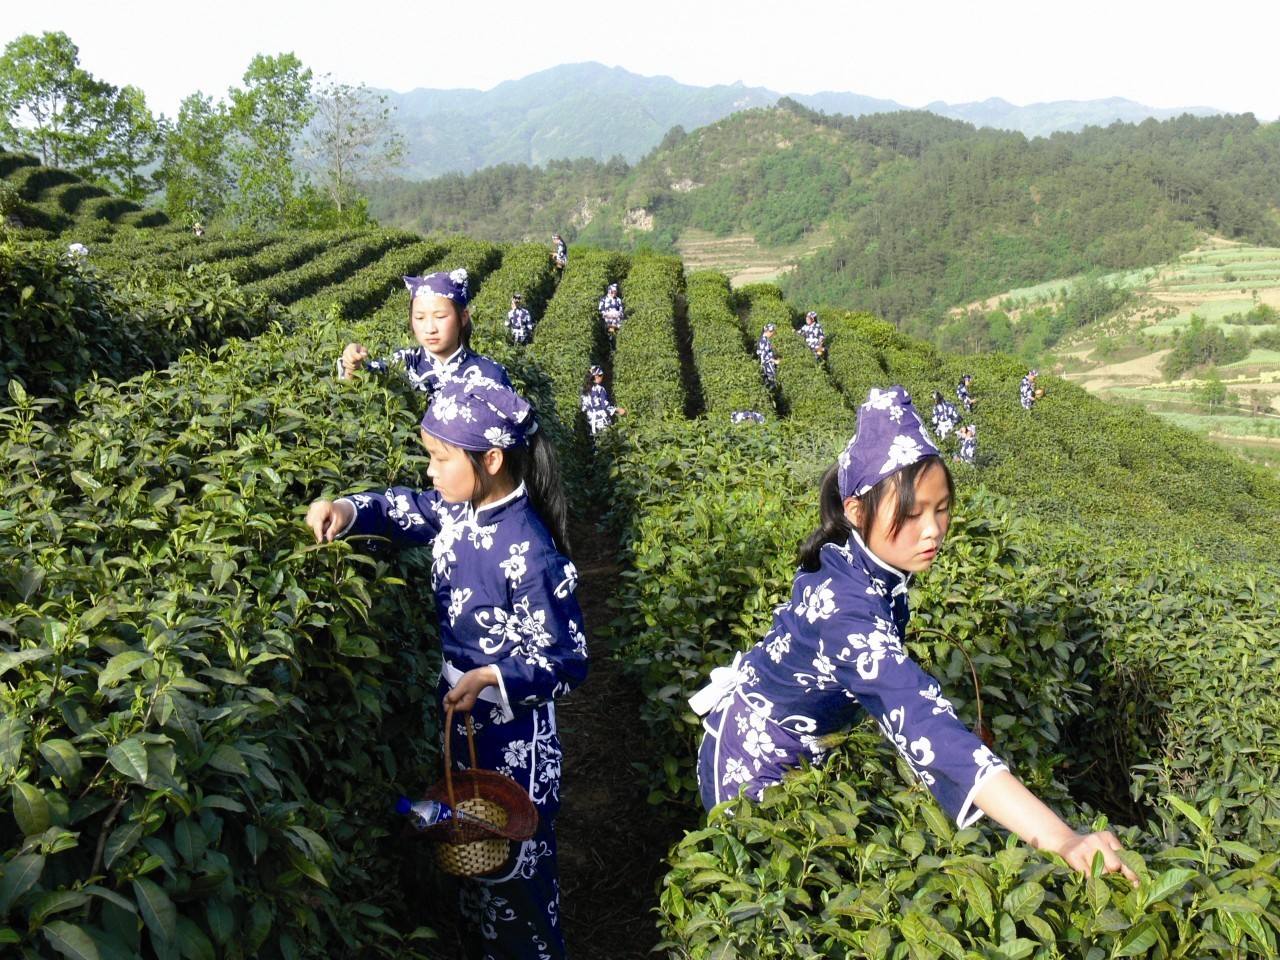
(195,171)
(129,141)
(267,118)
(42,83)
(351,138)
(1213,391)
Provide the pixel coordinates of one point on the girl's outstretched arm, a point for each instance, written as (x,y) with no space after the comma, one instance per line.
(328,518)
(353,357)
(1006,801)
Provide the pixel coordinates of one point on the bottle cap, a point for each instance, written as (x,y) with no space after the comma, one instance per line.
(403,805)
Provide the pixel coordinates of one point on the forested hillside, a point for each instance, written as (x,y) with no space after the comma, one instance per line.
(923,213)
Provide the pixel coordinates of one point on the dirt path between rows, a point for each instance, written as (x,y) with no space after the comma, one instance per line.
(613,843)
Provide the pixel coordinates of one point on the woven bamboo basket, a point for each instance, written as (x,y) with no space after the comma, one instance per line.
(491,815)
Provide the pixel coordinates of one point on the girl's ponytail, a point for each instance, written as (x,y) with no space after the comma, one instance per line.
(833,525)
(536,464)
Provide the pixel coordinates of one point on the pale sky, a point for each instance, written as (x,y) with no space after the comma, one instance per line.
(1162,54)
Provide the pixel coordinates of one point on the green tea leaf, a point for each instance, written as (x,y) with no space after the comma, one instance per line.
(16,658)
(64,758)
(192,942)
(122,840)
(13,733)
(229,760)
(17,877)
(130,758)
(55,902)
(305,866)
(30,808)
(158,911)
(1138,940)
(70,941)
(120,666)
(222,922)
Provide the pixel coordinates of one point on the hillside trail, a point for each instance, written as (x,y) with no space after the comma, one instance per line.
(613,843)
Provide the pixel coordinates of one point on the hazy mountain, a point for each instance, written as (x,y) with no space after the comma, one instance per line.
(590,110)
(574,110)
(1042,119)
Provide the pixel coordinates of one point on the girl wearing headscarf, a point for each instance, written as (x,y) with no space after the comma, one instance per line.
(510,626)
(813,334)
(963,395)
(945,415)
(768,356)
(968,443)
(441,324)
(596,404)
(519,320)
(612,312)
(1027,394)
(836,649)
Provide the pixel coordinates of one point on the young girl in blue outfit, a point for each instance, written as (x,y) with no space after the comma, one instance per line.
(441,325)
(519,320)
(612,311)
(836,649)
(768,356)
(945,415)
(600,410)
(510,626)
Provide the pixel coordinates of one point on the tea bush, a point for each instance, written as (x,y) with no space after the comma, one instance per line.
(647,380)
(205,717)
(729,378)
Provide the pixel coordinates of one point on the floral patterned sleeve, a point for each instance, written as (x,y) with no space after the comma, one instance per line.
(406,517)
(540,640)
(870,663)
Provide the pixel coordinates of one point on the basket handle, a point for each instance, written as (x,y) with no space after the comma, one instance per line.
(448,751)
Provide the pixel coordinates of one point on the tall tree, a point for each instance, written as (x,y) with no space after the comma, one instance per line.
(351,138)
(196,173)
(129,142)
(41,82)
(267,116)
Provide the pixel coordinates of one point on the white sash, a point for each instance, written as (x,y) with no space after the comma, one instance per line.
(723,681)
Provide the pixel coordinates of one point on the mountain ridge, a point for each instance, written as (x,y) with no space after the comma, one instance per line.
(591,110)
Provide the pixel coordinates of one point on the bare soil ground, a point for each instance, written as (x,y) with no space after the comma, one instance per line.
(613,843)
(742,259)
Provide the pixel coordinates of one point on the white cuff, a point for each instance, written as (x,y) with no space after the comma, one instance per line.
(350,523)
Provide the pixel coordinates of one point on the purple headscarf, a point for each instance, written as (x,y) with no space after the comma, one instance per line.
(451,285)
(890,436)
(478,414)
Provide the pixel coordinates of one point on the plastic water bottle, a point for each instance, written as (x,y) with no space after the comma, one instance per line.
(423,813)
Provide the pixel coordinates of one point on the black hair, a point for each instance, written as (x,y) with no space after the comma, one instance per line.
(588,382)
(464,329)
(834,526)
(536,465)
(937,397)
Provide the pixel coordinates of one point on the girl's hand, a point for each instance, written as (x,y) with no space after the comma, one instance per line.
(467,690)
(327,518)
(353,357)
(622,411)
(1079,849)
